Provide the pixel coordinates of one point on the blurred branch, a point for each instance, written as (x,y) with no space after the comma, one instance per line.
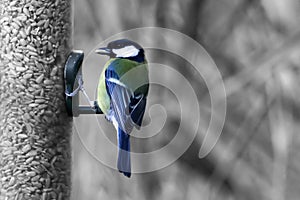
(229,160)
(204,167)
(94,10)
(258,67)
(234,19)
(279,122)
(189,12)
(161,8)
(224,165)
(132,20)
(192,18)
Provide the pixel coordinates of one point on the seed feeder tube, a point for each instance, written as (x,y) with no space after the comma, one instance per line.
(35,129)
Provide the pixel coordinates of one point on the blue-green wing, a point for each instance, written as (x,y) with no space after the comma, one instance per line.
(127,105)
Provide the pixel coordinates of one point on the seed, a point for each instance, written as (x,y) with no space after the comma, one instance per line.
(22,136)
(13,40)
(39,79)
(28,160)
(46,24)
(6,152)
(42,106)
(4,19)
(46,164)
(36,178)
(7,29)
(31,7)
(17,21)
(39,11)
(28,128)
(53,71)
(20,69)
(22,42)
(26,148)
(60,196)
(26,11)
(27,76)
(26,59)
(15,25)
(44,196)
(59,86)
(32,54)
(7,171)
(53,161)
(39,101)
(6,143)
(35,163)
(31,48)
(31,174)
(35,31)
(36,86)
(32,105)
(19,55)
(27,30)
(22,18)
(26,116)
(31,153)
(41,23)
(13,3)
(36,184)
(23,34)
(14,33)
(20,176)
(48,82)
(53,195)
(47,184)
(12,181)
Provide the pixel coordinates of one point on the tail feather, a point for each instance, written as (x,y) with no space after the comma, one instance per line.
(124,163)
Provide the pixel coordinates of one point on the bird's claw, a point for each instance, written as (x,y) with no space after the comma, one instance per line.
(97,108)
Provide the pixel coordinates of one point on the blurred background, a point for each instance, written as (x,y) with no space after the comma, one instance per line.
(256,46)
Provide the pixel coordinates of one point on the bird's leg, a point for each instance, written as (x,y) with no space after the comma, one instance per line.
(97,108)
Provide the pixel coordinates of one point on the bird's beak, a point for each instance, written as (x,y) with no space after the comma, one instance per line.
(103,51)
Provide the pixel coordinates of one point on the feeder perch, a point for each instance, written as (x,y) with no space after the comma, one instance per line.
(73,79)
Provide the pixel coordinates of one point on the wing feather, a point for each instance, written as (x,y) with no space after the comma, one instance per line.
(126,107)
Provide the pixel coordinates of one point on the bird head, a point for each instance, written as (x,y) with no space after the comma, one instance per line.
(122,48)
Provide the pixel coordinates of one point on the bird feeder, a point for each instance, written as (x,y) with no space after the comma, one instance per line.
(35,130)
(74,84)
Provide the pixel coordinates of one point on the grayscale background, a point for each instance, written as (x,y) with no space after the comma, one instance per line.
(256,46)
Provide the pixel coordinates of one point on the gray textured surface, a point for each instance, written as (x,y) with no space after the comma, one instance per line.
(35,148)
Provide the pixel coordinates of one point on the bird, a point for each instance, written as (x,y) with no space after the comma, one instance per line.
(122,93)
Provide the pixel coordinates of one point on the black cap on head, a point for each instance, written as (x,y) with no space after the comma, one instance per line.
(115,49)
(118,44)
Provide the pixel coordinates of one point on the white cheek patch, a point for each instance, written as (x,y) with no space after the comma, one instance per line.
(126,52)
